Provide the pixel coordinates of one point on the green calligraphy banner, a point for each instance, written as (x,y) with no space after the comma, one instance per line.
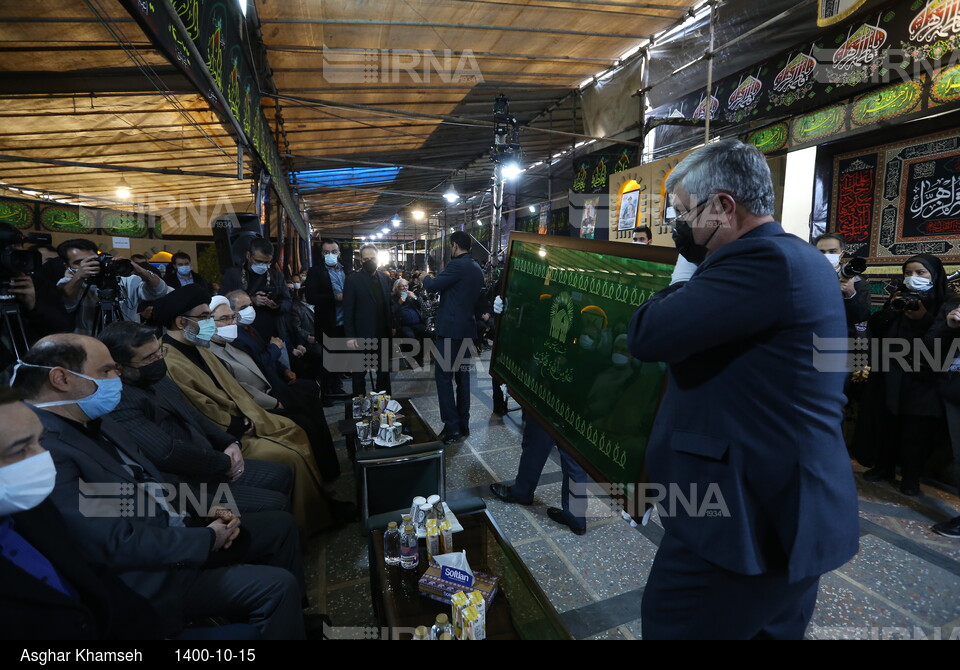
(562,350)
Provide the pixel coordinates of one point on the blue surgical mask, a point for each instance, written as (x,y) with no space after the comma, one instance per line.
(183,270)
(260,268)
(404,294)
(102,401)
(919,284)
(620,359)
(330,259)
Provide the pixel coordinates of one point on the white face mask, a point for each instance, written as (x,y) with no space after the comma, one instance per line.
(919,284)
(833,258)
(260,268)
(620,359)
(227,333)
(586,341)
(27,483)
(247,315)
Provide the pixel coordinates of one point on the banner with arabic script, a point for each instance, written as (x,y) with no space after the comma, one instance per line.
(907,194)
(832,11)
(900,49)
(562,347)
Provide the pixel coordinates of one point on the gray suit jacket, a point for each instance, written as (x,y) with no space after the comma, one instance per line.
(158,560)
(246,371)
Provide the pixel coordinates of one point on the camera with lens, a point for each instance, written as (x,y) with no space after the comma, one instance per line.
(908,301)
(855,266)
(111,270)
(17,262)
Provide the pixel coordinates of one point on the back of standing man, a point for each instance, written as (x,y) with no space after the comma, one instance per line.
(460,286)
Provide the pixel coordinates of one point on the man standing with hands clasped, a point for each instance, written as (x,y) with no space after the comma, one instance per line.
(747,413)
(460,286)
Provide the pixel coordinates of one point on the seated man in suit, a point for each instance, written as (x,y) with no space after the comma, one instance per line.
(185,567)
(255,364)
(210,388)
(177,438)
(746,414)
(47,591)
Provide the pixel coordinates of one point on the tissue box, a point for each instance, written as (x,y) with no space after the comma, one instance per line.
(434,587)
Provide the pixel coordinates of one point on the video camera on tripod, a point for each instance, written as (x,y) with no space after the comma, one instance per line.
(15,263)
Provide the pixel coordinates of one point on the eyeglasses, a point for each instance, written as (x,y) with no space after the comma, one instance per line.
(156,355)
(672,222)
(225,320)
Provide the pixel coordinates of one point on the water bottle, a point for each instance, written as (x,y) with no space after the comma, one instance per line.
(441,627)
(391,544)
(409,549)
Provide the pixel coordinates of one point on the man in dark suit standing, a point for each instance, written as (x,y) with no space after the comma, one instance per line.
(747,413)
(324,290)
(460,286)
(367,314)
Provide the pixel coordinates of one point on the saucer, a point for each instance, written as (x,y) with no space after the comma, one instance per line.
(404,440)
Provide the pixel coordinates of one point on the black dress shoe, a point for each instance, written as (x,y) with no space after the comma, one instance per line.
(556,514)
(500,408)
(465,432)
(878,474)
(505,493)
(910,487)
(949,528)
(449,438)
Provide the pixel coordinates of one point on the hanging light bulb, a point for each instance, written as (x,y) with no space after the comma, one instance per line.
(395,221)
(385,231)
(123,189)
(417,214)
(532,208)
(451,195)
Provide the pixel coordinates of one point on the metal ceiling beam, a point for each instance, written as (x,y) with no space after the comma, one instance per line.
(581,8)
(447,118)
(455,26)
(130,80)
(117,168)
(479,55)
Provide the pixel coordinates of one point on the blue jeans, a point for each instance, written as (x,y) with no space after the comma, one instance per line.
(454,413)
(536,446)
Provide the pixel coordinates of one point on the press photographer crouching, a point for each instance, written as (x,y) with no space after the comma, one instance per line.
(902,414)
(855,290)
(100,289)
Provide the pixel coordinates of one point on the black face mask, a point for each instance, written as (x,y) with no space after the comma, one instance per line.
(688,248)
(151,374)
(370,266)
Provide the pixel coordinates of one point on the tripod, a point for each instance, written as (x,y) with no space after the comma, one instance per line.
(12,333)
(107,310)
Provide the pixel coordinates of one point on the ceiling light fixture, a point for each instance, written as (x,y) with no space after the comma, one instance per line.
(417,214)
(123,189)
(511,170)
(451,195)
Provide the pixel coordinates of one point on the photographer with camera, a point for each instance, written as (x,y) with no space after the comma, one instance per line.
(267,290)
(907,409)
(99,288)
(855,289)
(29,309)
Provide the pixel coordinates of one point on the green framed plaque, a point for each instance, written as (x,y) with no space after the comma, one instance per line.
(561,346)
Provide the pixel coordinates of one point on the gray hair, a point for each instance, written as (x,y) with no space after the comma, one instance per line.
(233,295)
(729,166)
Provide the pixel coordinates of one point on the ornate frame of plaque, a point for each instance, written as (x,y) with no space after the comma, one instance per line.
(561,346)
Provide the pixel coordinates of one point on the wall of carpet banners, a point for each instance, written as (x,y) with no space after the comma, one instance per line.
(899,199)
